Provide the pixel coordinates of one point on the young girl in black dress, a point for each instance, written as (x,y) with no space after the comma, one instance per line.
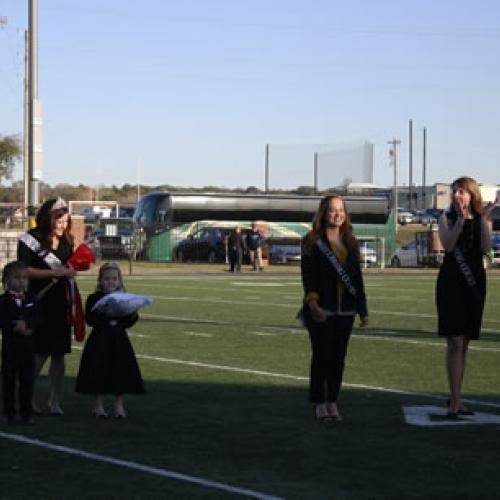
(108,364)
(465,233)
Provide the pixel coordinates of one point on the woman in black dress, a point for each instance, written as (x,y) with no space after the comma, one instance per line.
(333,295)
(45,251)
(465,233)
(108,364)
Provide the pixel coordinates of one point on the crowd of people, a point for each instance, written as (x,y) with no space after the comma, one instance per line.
(37,310)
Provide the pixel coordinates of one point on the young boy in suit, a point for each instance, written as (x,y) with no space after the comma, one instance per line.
(17,316)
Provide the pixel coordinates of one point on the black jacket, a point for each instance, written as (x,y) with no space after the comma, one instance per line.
(319,275)
(255,239)
(10,311)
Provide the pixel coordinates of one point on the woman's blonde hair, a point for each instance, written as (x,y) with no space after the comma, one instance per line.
(109,266)
(472,187)
(319,224)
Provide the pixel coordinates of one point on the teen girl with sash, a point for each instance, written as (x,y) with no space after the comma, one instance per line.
(465,233)
(45,251)
(333,295)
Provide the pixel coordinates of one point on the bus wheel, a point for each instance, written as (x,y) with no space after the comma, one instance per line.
(395,262)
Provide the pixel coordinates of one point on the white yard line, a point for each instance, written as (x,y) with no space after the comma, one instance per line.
(207,483)
(198,334)
(262,334)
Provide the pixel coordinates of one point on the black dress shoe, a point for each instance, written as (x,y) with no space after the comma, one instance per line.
(465,411)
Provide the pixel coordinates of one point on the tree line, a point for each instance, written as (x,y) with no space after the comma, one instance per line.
(11,152)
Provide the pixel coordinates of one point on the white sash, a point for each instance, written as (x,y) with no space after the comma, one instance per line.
(46,255)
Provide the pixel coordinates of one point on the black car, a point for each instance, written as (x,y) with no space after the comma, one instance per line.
(112,237)
(205,245)
(208,244)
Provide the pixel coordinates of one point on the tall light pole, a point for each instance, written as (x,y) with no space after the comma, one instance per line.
(35,150)
(393,152)
(266,169)
(315,173)
(424,167)
(410,164)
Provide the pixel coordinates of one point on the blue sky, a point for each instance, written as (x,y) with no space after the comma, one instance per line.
(188,93)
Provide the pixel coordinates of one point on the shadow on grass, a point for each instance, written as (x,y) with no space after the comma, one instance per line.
(256,435)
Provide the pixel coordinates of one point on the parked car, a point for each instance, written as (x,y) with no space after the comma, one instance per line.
(112,238)
(495,250)
(207,244)
(430,216)
(405,256)
(368,254)
(405,217)
(284,250)
(123,211)
(417,216)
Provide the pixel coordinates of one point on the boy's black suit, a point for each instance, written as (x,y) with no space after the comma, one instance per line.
(17,355)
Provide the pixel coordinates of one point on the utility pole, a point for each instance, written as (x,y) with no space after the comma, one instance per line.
(424,167)
(266,166)
(138,180)
(35,150)
(315,173)
(26,127)
(410,165)
(393,152)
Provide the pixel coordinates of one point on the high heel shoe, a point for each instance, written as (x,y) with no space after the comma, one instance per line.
(120,414)
(333,412)
(55,411)
(99,414)
(462,410)
(321,413)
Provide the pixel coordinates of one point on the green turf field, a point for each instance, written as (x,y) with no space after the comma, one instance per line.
(225,365)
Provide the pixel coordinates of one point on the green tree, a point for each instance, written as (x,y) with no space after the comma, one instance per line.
(10,152)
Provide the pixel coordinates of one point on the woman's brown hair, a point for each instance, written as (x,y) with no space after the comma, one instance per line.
(46,222)
(471,186)
(319,225)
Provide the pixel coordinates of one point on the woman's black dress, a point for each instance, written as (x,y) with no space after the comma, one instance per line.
(108,364)
(460,305)
(53,329)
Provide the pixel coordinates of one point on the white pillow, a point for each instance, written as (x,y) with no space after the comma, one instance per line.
(119,304)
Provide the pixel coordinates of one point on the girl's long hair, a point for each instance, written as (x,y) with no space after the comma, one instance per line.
(319,225)
(471,186)
(46,223)
(109,266)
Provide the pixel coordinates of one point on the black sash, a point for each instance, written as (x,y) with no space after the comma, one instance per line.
(344,276)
